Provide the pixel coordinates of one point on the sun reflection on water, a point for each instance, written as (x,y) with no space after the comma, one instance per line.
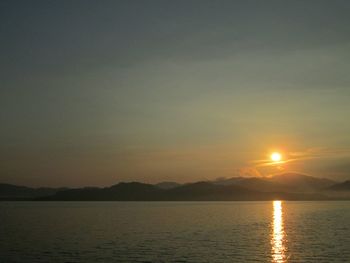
(278,234)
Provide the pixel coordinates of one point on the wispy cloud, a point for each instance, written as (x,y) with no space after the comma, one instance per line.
(320,152)
(303,155)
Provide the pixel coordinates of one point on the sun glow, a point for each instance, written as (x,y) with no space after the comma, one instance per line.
(276,157)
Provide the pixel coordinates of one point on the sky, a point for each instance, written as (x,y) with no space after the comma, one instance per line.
(98,92)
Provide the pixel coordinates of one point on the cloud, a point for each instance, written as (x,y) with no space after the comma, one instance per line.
(320,152)
(304,155)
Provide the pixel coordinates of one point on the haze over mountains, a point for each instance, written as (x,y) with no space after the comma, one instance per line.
(289,186)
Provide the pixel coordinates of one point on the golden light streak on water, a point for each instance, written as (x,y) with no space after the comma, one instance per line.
(278,235)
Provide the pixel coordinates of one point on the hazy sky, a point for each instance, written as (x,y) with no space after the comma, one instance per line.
(97,92)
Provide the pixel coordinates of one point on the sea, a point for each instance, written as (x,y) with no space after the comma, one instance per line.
(266,231)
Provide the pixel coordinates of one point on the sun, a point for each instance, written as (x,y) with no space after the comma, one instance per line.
(276,157)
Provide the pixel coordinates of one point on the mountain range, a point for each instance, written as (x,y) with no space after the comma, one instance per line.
(288,186)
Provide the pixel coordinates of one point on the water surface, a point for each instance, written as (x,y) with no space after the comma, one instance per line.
(174,231)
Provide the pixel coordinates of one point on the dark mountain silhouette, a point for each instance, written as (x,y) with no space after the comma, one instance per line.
(209,191)
(345,186)
(301,182)
(229,181)
(254,183)
(9,191)
(200,191)
(133,191)
(287,182)
(289,186)
(167,185)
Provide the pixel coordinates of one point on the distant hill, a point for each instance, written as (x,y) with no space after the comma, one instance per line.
(288,186)
(167,185)
(345,186)
(286,182)
(229,181)
(200,191)
(9,191)
(301,182)
(209,191)
(133,191)
(254,183)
